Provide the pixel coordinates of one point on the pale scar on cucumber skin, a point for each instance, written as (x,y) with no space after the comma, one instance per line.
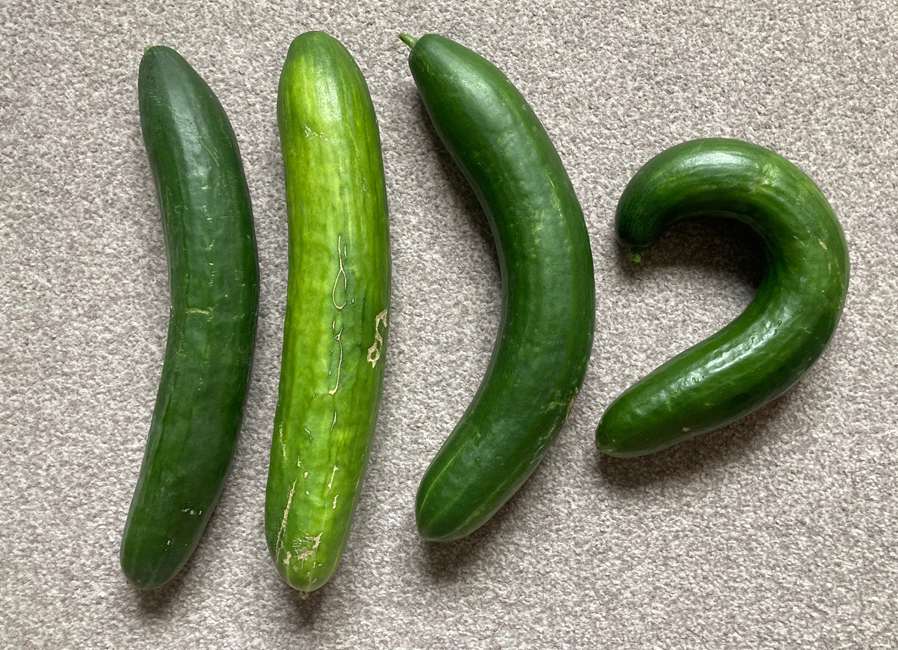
(283,440)
(570,405)
(279,545)
(306,548)
(310,133)
(375,350)
(329,485)
(341,257)
(338,339)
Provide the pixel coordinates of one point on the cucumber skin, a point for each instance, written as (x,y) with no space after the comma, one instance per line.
(545,336)
(784,330)
(214,278)
(336,194)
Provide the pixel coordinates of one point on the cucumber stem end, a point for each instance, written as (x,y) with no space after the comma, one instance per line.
(408,40)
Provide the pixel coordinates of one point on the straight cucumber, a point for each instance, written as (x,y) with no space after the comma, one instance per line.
(338,296)
(785,328)
(214,279)
(545,336)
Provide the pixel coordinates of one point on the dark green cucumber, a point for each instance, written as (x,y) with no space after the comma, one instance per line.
(545,336)
(214,279)
(785,328)
(338,296)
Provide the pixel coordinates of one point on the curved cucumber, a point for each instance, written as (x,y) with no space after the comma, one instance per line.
(212,325)
(540,356)
(338,296)
(784,329)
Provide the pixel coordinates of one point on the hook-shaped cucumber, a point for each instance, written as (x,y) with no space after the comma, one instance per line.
(785,328)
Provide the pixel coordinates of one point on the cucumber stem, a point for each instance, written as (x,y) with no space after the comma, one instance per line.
(408,40)
(635,257)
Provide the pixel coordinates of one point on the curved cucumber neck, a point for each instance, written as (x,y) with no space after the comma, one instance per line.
(733,179)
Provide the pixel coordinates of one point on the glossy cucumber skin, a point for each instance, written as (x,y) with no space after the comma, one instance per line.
(214,278)
(338,295)
(545,336)
(783,331)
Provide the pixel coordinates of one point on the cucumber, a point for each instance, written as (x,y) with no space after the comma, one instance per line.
(338,295)
(548,317)
(214,277)
(783,331)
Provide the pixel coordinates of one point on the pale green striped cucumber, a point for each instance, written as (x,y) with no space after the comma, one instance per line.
(338,295)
